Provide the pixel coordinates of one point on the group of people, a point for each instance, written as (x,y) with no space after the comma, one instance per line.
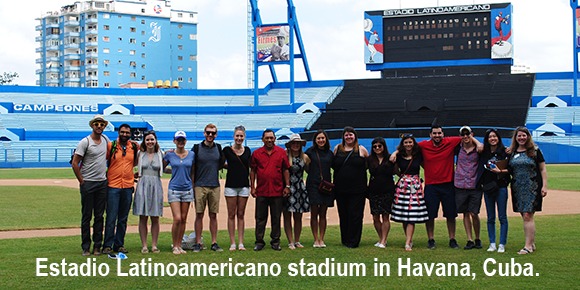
(274,177)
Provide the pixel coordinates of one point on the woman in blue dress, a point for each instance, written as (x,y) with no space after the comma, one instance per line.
(529,183)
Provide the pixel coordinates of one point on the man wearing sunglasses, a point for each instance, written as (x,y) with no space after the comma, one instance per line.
(90,167)
(121,155)
(209,159)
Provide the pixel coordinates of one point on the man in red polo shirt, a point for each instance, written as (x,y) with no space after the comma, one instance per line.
(269,166)
(438,165)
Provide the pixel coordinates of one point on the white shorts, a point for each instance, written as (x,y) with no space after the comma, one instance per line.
(239,191)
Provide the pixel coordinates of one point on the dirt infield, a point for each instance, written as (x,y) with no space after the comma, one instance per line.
(557,202)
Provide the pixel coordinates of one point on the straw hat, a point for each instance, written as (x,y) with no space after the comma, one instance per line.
(98,118)
(295,138)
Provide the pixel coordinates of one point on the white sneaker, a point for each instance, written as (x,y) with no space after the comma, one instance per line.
(379,245)
(491,248)
(501,248)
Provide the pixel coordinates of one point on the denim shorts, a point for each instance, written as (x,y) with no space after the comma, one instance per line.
(179,196)
(239,191)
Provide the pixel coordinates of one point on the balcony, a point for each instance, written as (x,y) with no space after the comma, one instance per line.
(91,20)
(51,48)
(38,82)
(38,38)
(38,27)
(72,56)
(92,78)
(52,36)
(92,54)
(71,34)
(52,81)
(52,58)
(39,71)
(71,23)
(52,25)
(91,43)
(91,66)
(52,70)
(38,60)
(71,45)
(92,32)
(38,50)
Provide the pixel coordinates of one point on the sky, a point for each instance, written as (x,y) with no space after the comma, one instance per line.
(332,31)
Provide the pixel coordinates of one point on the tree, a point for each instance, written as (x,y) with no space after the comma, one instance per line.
(7,77)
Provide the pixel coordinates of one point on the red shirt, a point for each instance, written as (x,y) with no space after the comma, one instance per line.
(438,160)
(120,173)
(269,171)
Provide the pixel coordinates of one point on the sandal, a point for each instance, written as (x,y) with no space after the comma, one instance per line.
(155,250)
(144,250)
(232,247)
(241,247)
(409,248)
(176,251)
(182,250)
(291,246)
(524,251)
(298,245)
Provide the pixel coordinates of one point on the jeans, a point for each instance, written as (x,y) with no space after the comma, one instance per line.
(93,201)
(501,200)
(118,206)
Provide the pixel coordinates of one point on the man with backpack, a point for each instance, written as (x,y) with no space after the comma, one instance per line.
(122,157)
(89,164)
(209,159)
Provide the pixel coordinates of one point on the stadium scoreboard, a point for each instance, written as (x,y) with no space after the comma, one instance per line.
(463,32)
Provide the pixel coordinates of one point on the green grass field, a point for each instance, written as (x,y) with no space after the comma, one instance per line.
(554,265)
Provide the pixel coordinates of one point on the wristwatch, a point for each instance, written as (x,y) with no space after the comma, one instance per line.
(287,186)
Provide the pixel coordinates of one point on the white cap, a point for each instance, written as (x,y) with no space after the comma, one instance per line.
(180,134)
(465,128)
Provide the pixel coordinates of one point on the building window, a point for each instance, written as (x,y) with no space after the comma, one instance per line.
(119,16)
(179,68)
(142,32)
(106,62)
(191,15)
(180,25)
(179,15)
(133,18)
(142,78)
(119,50)
(143,55)
(143,66)
(106,85)
(133,29)
(179,57)
(142,10)
(142,21)
(179,36)
(120,73)
(120,39)
(106,27)
(189,80)
(105,38)
(192,57)
(192,36)
(189,69)
(143,44)
(119,27)
(120,62)
(132,40)
(132,63)
(180,79)
(133,75)
(131,52)
(106,16)
(106,73)
(105,50)
(180,47)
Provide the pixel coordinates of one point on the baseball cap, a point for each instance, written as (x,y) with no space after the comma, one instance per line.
(180,134)
(465,128)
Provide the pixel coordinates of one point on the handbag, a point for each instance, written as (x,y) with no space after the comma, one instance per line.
(325,187)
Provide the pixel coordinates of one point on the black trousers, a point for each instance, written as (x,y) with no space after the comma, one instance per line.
(275,204)
(93,201)
(350,214)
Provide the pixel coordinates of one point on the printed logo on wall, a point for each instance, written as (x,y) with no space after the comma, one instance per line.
(373,33)
(155,31)
(157,9)
(501,33)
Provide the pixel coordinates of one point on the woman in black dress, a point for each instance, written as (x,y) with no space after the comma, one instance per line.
(381,190)
(320,164)
(350,179)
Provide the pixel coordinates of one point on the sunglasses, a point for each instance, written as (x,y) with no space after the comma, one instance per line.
(377,146)
(99,124)
(465,134)
(149,132)
(406,135)
(210,133)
